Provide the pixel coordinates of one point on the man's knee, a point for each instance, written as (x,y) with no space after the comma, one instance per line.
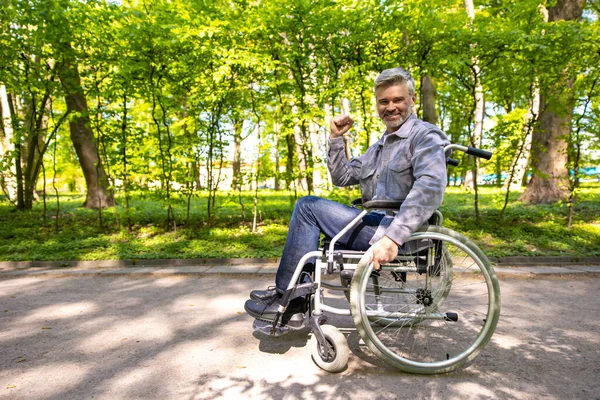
(306,206)
(307,202)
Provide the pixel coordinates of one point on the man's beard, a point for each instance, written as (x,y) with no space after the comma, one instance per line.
(396,124)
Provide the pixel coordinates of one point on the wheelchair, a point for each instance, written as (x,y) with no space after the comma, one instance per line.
(432,310)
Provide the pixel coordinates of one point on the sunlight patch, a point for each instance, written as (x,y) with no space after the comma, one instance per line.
(156,329)
(61,311)
(505,342)
(482,391)
(226,303)
(54,379)
(168,282)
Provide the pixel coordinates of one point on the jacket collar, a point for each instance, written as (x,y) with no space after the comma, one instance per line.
(403,132)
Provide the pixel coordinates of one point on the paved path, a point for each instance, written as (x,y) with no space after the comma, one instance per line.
(153,334)
(172,267)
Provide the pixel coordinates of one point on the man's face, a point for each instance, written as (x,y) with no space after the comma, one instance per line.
(394,105)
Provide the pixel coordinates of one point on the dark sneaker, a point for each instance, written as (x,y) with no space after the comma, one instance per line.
(267,311)
(264,296)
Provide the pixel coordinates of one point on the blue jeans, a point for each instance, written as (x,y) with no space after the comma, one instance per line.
(313,216)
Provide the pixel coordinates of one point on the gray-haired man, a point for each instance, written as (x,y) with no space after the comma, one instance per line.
(407,164)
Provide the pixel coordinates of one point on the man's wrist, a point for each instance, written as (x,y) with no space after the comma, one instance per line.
(391,240)
(337,138)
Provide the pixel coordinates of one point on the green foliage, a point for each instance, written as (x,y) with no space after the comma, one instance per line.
(165,82)
(165,79)
(525,230)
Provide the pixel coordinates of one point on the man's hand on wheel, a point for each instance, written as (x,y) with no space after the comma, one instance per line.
(384,251)
(339,125)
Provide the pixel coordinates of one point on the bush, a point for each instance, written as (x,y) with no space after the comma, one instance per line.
(524,229)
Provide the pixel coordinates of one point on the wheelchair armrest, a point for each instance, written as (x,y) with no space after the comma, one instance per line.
(393,205)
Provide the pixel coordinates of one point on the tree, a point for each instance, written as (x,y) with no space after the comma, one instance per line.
(97,195)
(550,181)
(155,91)
(29,88)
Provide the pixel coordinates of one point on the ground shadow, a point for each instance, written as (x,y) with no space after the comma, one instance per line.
(188,337)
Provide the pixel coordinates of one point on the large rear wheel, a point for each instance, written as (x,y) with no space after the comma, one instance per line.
(435,310)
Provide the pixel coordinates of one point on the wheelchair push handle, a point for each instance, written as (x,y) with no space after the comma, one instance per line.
(469,150)
(479,153)
(451,161)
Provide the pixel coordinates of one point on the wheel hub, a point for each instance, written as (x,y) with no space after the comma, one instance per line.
(327,352)
(424,297)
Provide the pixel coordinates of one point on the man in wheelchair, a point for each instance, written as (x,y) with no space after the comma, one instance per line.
(406,164)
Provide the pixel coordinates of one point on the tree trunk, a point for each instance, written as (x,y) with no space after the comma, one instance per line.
(256,177)
(428,99)
(83,137)
(12,105)
(289,163)
(301,152)
(35,124)
(7,178)
(29,145)
(124,158)
(307,152)
(346,111)
(521,158)
(518,174)
(328,116)
(236,183)
(317,180)
(276,128)
(479,108)
(550,182)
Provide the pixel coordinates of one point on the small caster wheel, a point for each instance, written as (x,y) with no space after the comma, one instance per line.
(334,359)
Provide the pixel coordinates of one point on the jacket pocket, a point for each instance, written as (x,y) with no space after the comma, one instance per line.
(368,182)
(400,180)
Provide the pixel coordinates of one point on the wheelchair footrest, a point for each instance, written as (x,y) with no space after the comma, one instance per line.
(295,323)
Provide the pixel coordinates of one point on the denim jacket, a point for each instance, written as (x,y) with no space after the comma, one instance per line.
(408,165)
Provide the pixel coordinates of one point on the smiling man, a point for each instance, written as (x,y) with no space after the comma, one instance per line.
(406,164)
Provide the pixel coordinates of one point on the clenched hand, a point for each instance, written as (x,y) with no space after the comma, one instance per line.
(339,125)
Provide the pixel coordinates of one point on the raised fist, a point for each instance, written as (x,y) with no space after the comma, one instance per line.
(340,124)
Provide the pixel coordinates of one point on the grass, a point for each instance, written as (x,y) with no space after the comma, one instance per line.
(525,230)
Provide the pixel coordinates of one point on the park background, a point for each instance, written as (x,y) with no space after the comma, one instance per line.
(188,129)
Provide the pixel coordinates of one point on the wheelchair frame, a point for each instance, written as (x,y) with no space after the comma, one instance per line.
(330,349)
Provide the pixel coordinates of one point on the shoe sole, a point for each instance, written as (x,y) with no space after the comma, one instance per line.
(285,317)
